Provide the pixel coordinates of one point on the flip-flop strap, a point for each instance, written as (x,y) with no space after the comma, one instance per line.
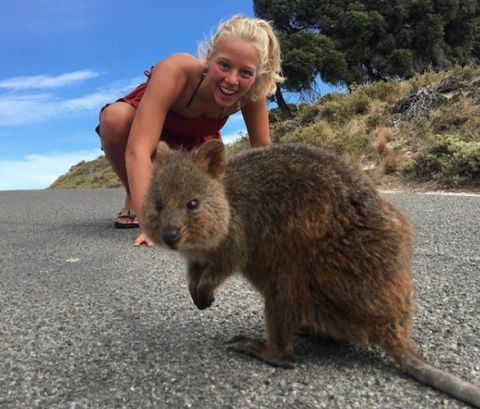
(126,213)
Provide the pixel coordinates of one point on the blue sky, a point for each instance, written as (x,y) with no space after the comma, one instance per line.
(64,59)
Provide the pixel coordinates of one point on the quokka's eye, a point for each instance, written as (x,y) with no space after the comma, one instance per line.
(158,205)
(192,204)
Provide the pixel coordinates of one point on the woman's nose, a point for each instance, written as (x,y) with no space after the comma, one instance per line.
(232,78)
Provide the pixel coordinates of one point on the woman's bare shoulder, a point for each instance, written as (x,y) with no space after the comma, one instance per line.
(180,73)
(184,62)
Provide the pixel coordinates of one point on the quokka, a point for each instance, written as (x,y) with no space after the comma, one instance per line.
(327,252)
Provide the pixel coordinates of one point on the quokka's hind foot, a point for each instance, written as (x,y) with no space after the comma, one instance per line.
(259,349)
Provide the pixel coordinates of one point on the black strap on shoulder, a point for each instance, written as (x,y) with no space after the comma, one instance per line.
(195,90)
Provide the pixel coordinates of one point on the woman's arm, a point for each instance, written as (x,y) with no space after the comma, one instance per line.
(168,80)
(255,115)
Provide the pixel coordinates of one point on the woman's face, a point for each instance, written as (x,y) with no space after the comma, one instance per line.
(232,70)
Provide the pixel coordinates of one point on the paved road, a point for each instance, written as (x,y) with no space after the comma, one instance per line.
(89,321)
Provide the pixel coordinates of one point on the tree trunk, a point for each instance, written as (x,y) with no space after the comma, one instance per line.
(282,104)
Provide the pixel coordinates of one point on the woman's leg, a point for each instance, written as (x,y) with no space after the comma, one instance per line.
(115,123)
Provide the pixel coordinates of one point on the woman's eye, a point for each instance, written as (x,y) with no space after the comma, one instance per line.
(192,204)
(223,65)
(247,74)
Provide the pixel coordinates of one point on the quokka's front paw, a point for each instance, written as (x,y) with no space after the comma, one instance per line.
(204,301)
(201,298)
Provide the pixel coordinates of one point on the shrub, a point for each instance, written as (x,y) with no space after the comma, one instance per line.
(341,109)
(359,104)
(320,134)
(449,161)
(336,110)
(462,118)
(307,114)
(385,91)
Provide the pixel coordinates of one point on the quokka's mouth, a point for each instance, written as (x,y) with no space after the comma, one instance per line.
(172,246)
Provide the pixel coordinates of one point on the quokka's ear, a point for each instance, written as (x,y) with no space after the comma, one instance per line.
(211,158)
(162,153)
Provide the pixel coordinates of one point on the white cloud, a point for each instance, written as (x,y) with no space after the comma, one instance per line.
(88,102)
(20,109)
(47,81)
(40,171)
(16,110)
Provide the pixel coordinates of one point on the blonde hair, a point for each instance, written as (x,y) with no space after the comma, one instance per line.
(261,35)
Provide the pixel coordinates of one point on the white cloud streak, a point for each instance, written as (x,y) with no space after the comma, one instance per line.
(40,171)
(20,109)
(16,110)
(47,81)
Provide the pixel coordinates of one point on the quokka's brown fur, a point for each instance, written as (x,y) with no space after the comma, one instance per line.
(328,253)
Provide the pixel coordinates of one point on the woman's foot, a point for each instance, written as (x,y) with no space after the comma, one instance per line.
(126,219)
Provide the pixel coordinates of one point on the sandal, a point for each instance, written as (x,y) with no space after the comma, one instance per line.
(126,214)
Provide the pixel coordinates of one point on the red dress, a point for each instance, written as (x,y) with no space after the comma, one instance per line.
(180,132)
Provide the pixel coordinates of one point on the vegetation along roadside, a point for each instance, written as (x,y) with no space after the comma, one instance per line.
(417,134)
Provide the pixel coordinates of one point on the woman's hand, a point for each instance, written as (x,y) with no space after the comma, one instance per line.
(141,239)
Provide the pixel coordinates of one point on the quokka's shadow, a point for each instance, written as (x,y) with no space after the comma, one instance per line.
(324,350)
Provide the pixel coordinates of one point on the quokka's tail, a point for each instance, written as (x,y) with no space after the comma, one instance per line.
(450,384)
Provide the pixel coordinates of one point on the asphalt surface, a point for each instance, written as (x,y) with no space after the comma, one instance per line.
(89,321)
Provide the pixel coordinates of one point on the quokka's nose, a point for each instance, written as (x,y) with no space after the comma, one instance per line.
(171,236)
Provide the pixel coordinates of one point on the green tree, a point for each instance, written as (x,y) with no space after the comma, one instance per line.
(358,41)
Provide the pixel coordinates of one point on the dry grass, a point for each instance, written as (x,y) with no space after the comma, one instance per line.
(391,163)
(462,117)
(382,136)
(92,174)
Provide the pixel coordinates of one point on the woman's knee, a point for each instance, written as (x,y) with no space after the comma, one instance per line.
(115,122)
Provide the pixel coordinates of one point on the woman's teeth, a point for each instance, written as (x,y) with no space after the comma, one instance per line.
(227,92)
